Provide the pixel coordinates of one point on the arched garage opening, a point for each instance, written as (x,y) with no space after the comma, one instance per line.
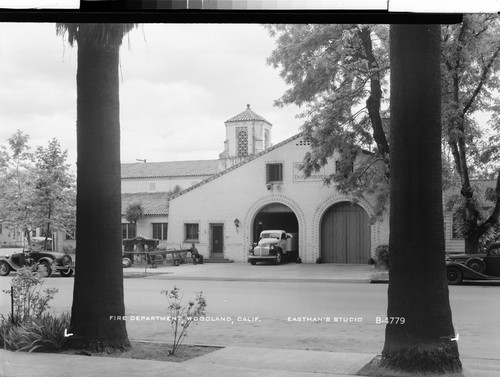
(345,234)
(275,216)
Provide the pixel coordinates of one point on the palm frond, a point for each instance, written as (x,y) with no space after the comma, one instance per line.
(97,35)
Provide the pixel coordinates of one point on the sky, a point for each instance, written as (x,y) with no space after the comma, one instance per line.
(179,83)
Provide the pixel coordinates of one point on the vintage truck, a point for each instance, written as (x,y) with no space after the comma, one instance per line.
(274,246)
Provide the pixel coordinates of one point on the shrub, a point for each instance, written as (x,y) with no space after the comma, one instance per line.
(43,334)
(28,327)
(28,299)
(69,249)
(382,256)
(181,317)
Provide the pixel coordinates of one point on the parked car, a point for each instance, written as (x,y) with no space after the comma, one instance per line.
(476,267)
(274,246)
(42,261)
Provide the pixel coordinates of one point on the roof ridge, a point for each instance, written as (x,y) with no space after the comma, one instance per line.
(165,162)
(247,115)
(244,162)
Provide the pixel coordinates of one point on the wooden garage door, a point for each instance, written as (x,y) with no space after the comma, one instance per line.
(345,234)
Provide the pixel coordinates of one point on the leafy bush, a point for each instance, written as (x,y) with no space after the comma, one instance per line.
(29,327)
(28,299)
(43,334)
(181,317)
(382,256)
(69,249)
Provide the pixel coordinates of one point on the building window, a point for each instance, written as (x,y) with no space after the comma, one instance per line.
(129,230)
(266,139)
(70,235)
(0,228)
(344,167)
(242,139)
(192,232)
(160,231)
(456,226)
(303,142)
(274,173)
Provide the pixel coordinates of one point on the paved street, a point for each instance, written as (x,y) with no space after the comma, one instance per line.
(270,313)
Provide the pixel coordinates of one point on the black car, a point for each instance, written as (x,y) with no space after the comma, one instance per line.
(476,267)
(42,261)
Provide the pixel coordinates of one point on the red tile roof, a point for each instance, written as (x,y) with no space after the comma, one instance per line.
(152,203)
(204,168)
(247,115)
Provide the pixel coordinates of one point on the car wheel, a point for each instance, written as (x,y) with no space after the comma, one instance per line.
(4,269)
(252,262)
(279,257)
(66,273)
(44,269)
(126,262)
(453,275)
(476,264)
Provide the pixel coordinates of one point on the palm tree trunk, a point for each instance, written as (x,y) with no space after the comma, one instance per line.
(418,290)
(98,289)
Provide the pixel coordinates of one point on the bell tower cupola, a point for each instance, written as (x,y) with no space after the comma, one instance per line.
(246,134)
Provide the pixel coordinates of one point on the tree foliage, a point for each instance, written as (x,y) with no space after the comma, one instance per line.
(339,75)
(37,189)
(175,190)
(134,212)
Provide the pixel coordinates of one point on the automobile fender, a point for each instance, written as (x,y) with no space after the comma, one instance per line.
(12,265)
(468,273)
(46,259)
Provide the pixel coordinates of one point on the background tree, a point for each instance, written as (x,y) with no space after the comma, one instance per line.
(339,74)
(175,190)
(470,67)
(37,189)
(134,212)
(98,288)
(423,343)
(55,196)
(16,186)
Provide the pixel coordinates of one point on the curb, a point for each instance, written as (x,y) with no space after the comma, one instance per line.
(162,276)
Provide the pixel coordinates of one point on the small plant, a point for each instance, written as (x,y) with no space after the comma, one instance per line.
(43,334)
(28,300)
(382,256)
(181,317)
(28,326)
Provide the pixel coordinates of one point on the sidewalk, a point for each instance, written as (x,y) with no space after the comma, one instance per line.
(227,362)
(288,272)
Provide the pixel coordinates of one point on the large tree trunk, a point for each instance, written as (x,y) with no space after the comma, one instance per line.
(98,289)
(475,228)
(418,290)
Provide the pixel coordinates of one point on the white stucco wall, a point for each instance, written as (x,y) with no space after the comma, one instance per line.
(161,184)
(242,192)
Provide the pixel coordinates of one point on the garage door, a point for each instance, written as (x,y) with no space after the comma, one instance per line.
(345,234)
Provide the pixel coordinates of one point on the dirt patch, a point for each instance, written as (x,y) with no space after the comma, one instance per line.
(151,351)
(374,369)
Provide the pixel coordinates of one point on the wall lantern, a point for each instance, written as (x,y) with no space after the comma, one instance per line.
(236,223)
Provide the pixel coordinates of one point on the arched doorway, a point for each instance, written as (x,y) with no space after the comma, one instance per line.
(275,216)
(345,234)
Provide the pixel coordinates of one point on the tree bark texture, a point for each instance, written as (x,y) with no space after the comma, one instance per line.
(374,100)
(418,290)
(98,288)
